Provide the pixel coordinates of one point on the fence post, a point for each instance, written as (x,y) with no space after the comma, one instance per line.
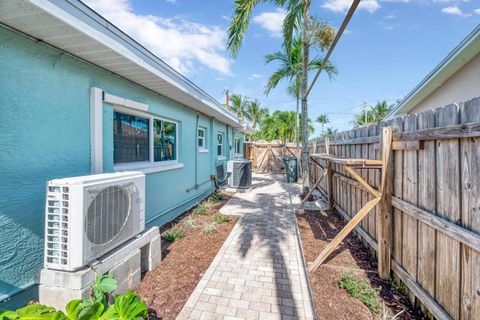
(329,176)
(384,214)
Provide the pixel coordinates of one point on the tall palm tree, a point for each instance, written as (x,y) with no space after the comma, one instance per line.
(239,105)
(290,69)
(323,120)
(298,12)
(256,113)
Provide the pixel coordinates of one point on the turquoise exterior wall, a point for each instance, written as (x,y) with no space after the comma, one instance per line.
(45,134)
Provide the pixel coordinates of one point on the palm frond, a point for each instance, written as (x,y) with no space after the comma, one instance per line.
(239,24)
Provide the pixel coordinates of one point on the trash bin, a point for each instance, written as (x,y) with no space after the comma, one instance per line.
(290,168)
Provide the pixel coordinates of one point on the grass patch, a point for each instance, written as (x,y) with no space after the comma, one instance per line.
(217,196)
(202,208)
(175,233)
(361,289)
(220,218)
(209,228)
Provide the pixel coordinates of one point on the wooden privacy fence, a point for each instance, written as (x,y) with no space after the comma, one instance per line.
(267,156)
(432,225)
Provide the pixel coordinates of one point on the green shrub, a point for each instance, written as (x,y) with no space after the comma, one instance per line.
(190,222)
(361,289)
(96,307)
(209,228)
(220,218)
(175,233)
(218,196)
(202,208)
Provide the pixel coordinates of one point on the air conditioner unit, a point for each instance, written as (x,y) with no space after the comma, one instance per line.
(240,174)
(88,216)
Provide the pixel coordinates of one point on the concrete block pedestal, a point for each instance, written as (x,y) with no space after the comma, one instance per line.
(126,263)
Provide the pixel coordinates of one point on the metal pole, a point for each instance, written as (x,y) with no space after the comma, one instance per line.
(334,43)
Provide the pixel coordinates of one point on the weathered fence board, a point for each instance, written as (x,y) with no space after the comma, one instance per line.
(436,203)
(267,157)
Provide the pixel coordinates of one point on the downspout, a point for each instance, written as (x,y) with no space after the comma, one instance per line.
(228,145)
(197,185)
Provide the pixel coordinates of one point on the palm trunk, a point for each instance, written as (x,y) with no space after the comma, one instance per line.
(305,44)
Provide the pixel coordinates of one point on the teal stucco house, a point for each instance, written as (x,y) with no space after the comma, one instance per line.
(79,97)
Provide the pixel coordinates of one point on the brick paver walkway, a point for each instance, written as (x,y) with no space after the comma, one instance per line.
(259,272)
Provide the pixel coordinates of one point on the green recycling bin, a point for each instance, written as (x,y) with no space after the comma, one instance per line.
(291,169)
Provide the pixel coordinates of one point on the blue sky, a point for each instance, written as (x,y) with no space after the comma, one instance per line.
(389,46)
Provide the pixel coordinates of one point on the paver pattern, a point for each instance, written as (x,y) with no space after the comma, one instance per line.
(259,273)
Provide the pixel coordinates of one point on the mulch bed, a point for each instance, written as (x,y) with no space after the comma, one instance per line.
(167,288)
(317,229)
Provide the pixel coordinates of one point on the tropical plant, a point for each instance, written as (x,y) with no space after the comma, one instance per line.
(220,218)
(33,311)
(280,126)
(175,233)
(202,208)
(372,114)
(329,132)
(209,228)
(217,196)
(297,21)
(323,120)
(126,306)
(381,109)
(290,67)
(256,113)
(239,105)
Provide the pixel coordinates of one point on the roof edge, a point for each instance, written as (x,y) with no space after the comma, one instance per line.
(468,48)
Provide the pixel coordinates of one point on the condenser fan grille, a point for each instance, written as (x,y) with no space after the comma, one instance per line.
(107,214)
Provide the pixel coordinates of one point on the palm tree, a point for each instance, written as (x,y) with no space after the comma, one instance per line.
(373,114)
(323,120)
(256,113)
(297,18)
(280,126)
(329,132)
(381,109)
(290,69)
(240,105)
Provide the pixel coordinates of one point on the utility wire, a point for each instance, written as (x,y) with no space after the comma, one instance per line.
(334,43)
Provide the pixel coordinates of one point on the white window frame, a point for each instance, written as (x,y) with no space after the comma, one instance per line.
(202,148)
(151,165)
(221,156)
(239,153)
(97,98)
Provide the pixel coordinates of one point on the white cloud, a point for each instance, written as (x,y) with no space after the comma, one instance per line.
(171,1)
(390,16)
(477,11)
(344,5)
(455,10)
(255,76)
(271,21)
(179,42)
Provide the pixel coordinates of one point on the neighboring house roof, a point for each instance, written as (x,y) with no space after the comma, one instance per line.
(454,61)
(73,27)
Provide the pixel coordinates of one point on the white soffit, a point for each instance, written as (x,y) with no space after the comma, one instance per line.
(73,27)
